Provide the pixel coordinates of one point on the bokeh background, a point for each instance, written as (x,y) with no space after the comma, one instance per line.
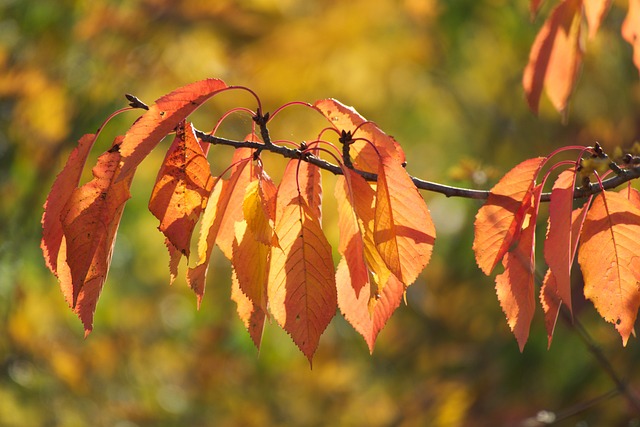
(443,77)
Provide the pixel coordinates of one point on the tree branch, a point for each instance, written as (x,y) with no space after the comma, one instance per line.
(623,176)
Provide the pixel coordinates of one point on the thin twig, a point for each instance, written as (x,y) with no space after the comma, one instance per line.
(449,191)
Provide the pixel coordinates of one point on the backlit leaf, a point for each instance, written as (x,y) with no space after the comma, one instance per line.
(550,296)
(302,288)
(90,221)
(555,57)
(250,262)
(363,155)
(162,118)
(501,217)
(515,287)
(367,313)
(631,30)
(595,11)
(182,187)
(255,208)
(252,316)
(300,178)
(608,257)
(559,244)
(221,200)
(403,231)
(64,185)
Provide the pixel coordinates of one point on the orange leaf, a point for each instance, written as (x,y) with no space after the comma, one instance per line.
(64,185)
(182,187)
(300,178)
(250,262)
(90,221)
(251,315)
(608,257)
(631,30)
(632,194)
(367,313)
(351,245)
(222,208)
(550,296)
(256,210)
(363,155)
(302,289)
(555,57)
(559,244)
(162,118)
(403,230)
(595,11)
(498,221)
(515,287)
(174,260)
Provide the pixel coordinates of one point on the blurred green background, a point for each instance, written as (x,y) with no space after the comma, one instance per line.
(443,77)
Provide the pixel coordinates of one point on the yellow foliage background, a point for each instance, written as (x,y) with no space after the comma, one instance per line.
(443,77)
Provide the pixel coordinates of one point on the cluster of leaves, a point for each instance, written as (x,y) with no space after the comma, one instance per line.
(603,232)
(555,58)
(282,262)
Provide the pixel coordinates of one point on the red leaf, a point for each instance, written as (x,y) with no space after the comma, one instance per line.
(403,231)
(550,296)
(559,246)
(515,287)
(555,57)
(595,11)
(367,313)
(608,257)
(301,284)
(498,221)
(64,185)
(182,187)
(162,118)
(251,315)
(363,155)
(90,221)
(631,30)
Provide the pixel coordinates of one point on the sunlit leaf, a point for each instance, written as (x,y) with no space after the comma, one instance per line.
(90,221)
(252,316)
(302,288)
(595,11)
(403,231)
(224,202)
(64,185)
(555,57)
(608,257)
(501,217)
(363,155)
(515,287)
(250,262)
(162,118)
(559,244)
(367,313)
(182,187)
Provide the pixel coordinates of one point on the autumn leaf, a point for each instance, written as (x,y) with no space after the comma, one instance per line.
(555,57)
(551,297)
(559,244)
(595,11)
(252,316)
(300,179)
(63,186)
(182,187)
(90,221)
(367,313)
(258,209)
(250,262)
(224,203)
(631,30)
(608,257)
(632,195)
(403,230)
(301,285)
(501,217)
(363,155)
(174,260)
(515,287)
(162,118)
